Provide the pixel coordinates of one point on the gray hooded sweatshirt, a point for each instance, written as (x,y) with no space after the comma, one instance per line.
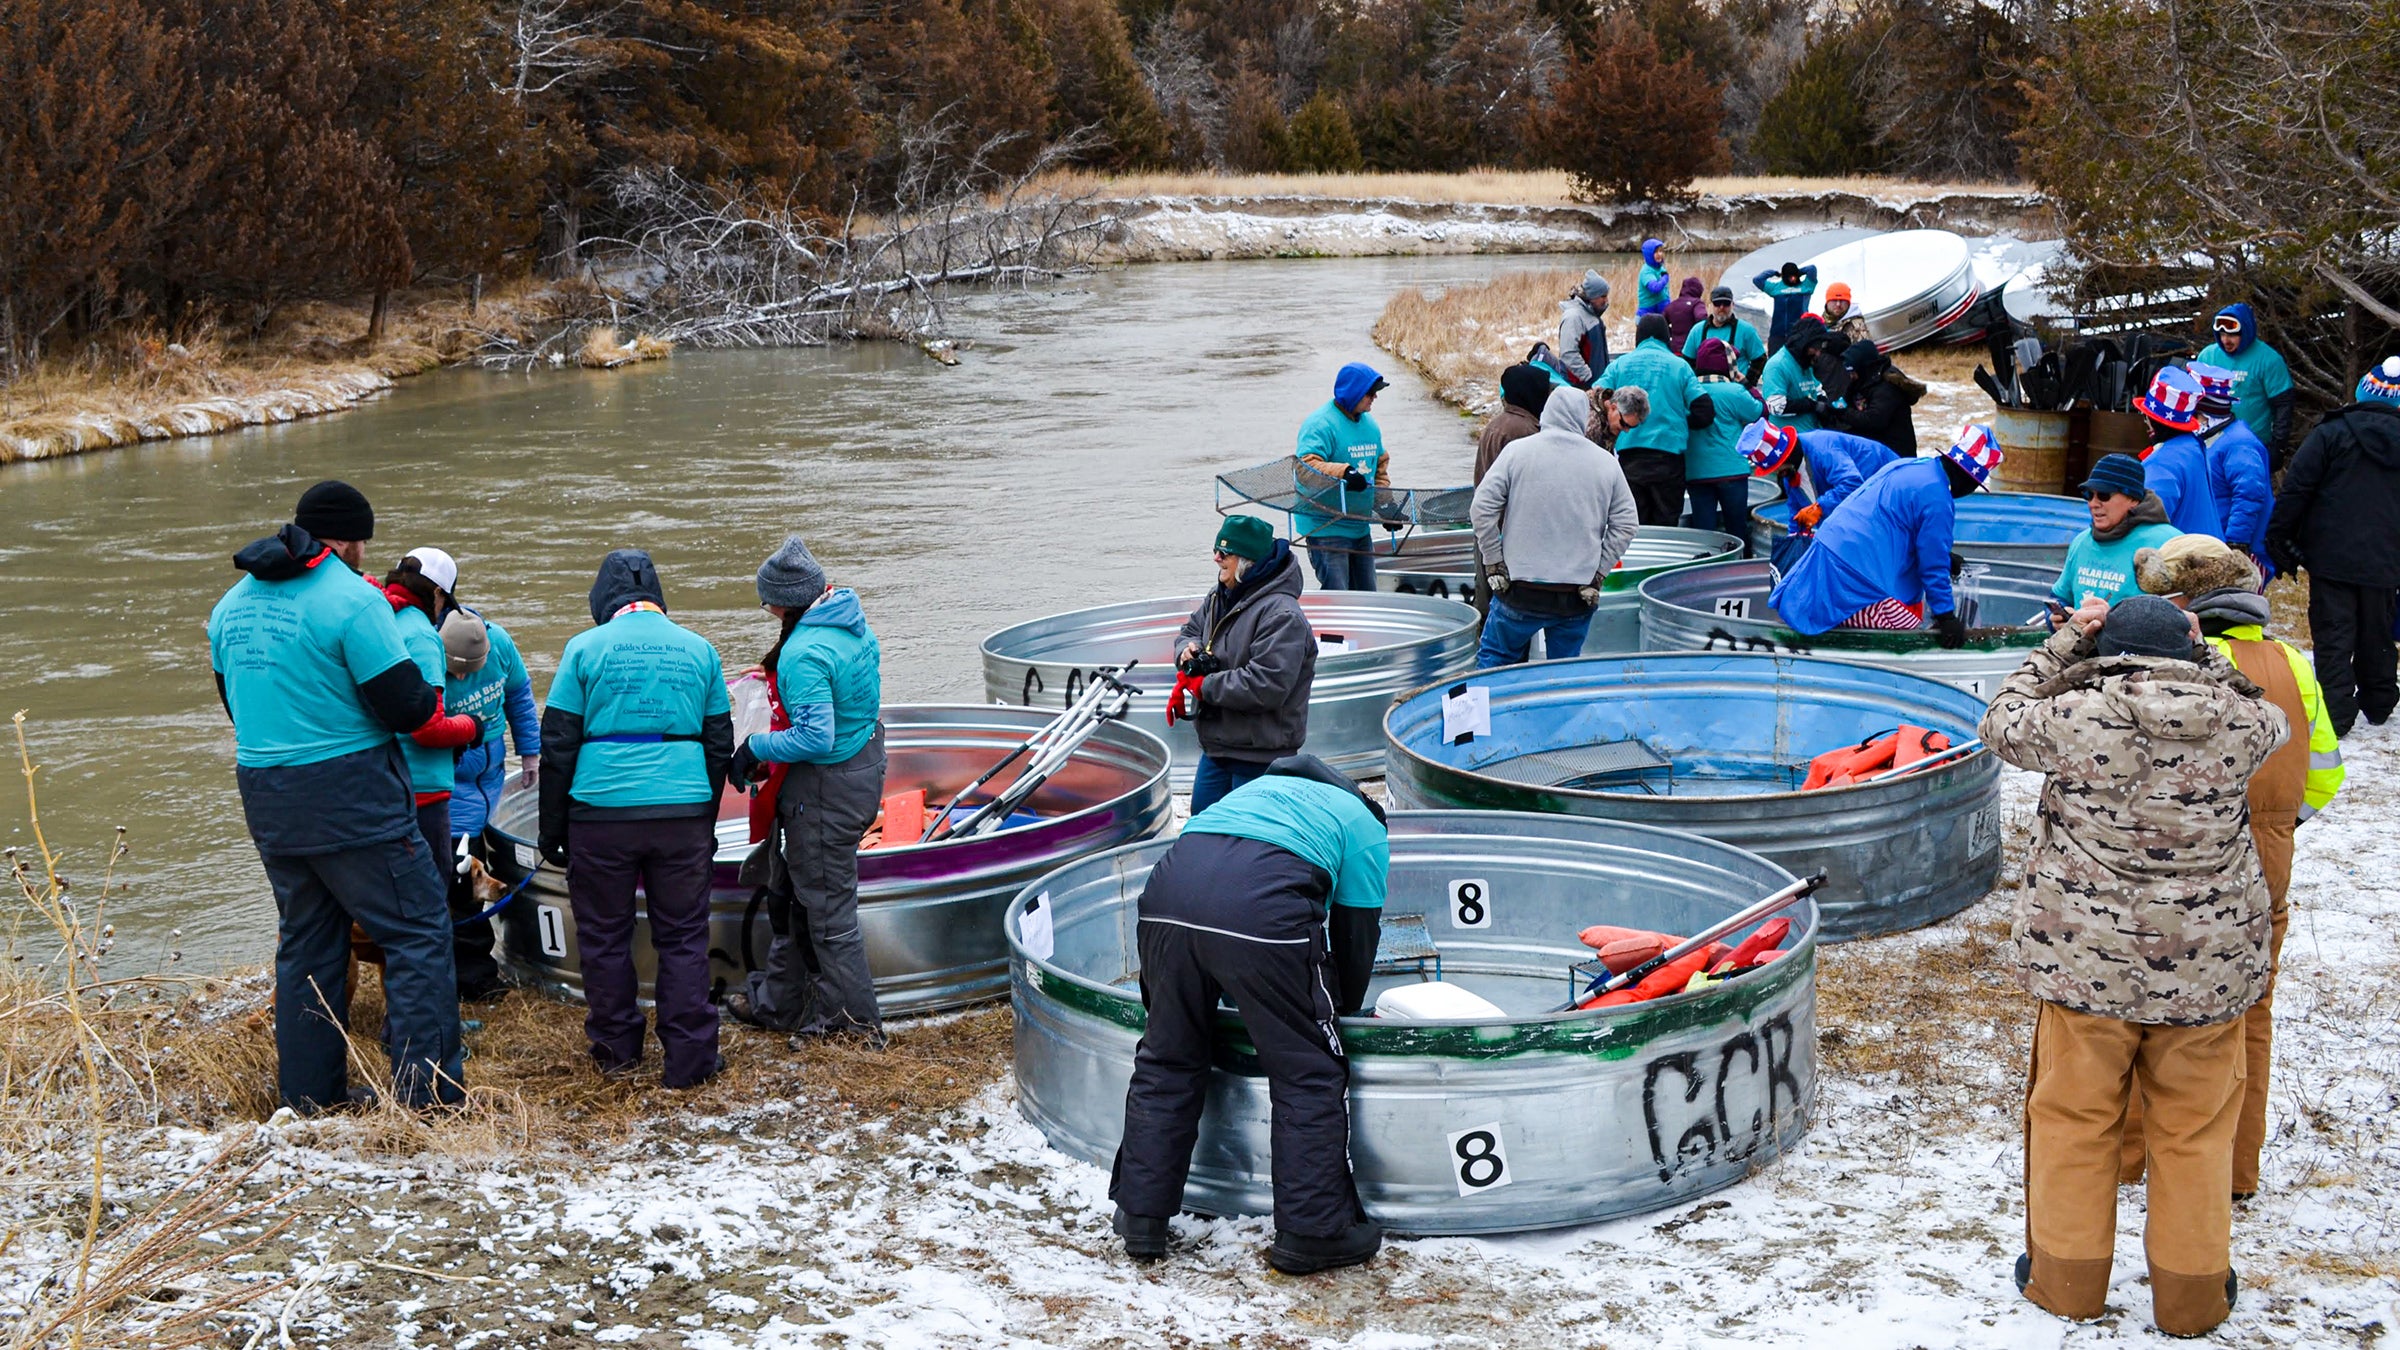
(1555,507)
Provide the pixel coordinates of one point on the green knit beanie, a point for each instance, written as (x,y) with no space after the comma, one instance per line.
(1246,537)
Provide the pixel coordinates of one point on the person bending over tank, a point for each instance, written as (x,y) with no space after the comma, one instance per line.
(822,764)
(1341,439)
(1890,541)
(1554,515)
(1271,899)
(2143,929)
(311,667)
(635,745)
(1245,662)
(2221,588)
(1818,469)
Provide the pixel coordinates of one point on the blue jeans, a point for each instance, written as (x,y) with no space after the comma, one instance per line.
(1215,777)
(1343,564)
(1722,499)
(1508,635)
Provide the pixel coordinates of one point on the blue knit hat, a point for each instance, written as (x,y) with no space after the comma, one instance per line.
(2382,384)
(2121,474)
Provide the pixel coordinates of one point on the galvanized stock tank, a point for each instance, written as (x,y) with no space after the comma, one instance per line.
(1617,623)
(1718,745)
(1370,647)
(1723,608)
(2031,528)
(1539,1120)
(931,912)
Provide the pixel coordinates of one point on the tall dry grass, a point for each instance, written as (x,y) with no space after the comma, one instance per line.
(1510,187)
(1461,337)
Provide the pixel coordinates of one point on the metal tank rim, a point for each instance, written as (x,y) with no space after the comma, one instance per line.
(1771,519)
(2019,637)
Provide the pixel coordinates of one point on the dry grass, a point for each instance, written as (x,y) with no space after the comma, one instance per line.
(1914,1012)
(1502,186)
(1461,338)
(602,351)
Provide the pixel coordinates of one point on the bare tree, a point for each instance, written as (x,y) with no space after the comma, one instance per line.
(1174,63)
(1502,55)
(551,44)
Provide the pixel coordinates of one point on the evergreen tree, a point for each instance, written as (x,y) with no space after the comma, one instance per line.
(1319,138)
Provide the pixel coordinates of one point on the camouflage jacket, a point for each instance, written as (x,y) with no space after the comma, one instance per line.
(2143,899)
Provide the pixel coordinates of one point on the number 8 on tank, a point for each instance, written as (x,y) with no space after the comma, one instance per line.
(1470,904)
(1478,1159)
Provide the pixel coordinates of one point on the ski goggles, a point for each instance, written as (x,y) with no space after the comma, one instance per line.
(2226,323)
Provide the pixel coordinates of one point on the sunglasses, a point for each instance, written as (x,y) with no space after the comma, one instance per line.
(2091,496)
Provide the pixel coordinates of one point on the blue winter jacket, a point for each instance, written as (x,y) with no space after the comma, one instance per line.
(1838,464)
(830,681)
(2177,470)
(2238,483)
(1891,540)
(1651,296)
(500,692)
(1790,301)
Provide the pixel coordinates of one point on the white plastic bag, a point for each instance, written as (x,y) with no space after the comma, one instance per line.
(751,712)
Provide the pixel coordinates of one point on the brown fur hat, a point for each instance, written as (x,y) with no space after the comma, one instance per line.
(2193,565)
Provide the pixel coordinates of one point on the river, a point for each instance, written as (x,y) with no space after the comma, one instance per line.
(1068,460)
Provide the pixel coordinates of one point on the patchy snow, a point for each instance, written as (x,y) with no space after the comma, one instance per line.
(1894,1224)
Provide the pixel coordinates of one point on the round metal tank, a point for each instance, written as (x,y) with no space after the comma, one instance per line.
(1718,745)
(1388,643)
(1617,622)
(1723,607)
(2000,527)
(1593,1114)
(931,912)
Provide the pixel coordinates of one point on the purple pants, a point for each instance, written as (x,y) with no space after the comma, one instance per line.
(673,860)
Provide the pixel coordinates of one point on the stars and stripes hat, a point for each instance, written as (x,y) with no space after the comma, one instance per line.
(1767,446)
(1977,451)
(2382,384)
(2216,386)
(2173,401)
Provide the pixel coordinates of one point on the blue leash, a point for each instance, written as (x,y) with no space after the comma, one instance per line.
(502,902)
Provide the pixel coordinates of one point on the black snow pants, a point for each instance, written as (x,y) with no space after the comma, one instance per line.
(1278,979)
(2350,628)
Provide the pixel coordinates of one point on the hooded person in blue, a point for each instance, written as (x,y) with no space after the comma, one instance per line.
(2239,481)
(1890,540)
(311,667)
(1790,288)
(1652,298)
(2176,463)
(1271,898)
(2263,393)
(1818,469)
(1340,438)
(636,742)
(823,762)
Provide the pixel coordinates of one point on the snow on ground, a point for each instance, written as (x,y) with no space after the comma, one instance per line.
(1180,228)
(1893,1226)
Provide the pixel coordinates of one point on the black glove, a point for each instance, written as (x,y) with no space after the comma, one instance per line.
(744,767)
(1802,406)
(1949,631)
(1957,563)
(1394,519)
(1354,480)
(554,852)
(2285,554)
(482,730)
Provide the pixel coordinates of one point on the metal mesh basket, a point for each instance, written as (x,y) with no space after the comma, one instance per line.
(1289,486)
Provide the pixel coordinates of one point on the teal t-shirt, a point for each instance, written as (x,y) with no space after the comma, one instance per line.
(639,674)
(293,654)
(2260,375)
(429,769)
(1321,823)
(834,659)
(1711,453)
(1783,378)
(2106,570)
(1671,385)
(1747,345)
(485,693)
(1334,436)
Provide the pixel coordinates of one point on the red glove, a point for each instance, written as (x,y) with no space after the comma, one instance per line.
(1176,708)
(1806,517)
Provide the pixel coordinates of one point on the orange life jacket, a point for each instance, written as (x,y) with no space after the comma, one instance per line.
(1891,750)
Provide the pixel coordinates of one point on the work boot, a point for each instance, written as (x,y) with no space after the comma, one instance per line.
(1145,1237)
(1296,1254)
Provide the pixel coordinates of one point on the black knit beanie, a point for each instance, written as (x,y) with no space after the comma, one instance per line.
(335,510)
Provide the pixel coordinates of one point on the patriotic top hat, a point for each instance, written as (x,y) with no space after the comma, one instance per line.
(2173,401)
(1977,451)
(1767,446)
(2216,386)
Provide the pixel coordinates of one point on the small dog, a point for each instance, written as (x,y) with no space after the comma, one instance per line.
(364,951)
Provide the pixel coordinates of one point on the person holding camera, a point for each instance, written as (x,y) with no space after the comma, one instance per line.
(1244,662)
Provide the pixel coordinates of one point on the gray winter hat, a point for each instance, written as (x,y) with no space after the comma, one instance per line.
(466,643)
(1595,286)
(2147,625)
(790,577)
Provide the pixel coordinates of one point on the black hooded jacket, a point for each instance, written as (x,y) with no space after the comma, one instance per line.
(1880,399)
(2338,512)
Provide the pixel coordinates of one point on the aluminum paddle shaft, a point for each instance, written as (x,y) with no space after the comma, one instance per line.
(1104,700)
(1754,914)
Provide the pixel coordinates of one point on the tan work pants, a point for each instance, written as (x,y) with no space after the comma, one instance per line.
(2274,840)
(2189,1080)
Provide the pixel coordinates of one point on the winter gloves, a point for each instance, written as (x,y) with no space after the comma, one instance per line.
(1949,631)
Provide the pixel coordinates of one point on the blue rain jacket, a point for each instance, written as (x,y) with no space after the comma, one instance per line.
(2239,484)
(1651,296)
(1890,540)
(2177,470)
(830,679)
(1838,465)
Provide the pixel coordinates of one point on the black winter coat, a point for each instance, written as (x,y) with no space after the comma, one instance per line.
(1256,707)
(2338,512)
(1880,410)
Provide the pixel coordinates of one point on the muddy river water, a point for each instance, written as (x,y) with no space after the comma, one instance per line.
(1067,461)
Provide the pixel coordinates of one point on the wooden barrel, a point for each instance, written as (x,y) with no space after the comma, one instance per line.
(2033,447)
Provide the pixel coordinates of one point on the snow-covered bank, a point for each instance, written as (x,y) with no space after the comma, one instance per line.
(46,436)
(795,1223)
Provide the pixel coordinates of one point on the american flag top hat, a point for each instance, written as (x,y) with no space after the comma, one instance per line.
(1977,451)
(2216,384)
(2173,401)
(1767,446)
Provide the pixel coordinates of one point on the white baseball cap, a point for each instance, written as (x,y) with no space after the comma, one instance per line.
(439,568)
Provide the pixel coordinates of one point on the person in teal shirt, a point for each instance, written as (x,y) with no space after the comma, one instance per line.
(1271,898)
(2127,517)
(2263,395)
(1749,349)
(1789,289)
(1651,295)
(1715,471)
(1651,454)
(1341,438)
(1793,393)
(823,760)
(636,742)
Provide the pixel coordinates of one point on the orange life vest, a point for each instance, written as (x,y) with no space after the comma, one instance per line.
(1891,750)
